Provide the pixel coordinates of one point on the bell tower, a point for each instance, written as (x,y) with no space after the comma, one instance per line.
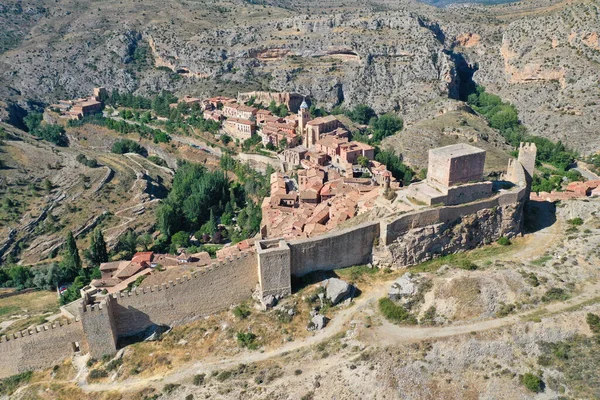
(303,117)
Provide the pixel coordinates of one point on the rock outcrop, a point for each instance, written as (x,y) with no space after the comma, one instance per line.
(486,226)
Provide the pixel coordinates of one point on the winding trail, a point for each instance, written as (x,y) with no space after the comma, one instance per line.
(386,333)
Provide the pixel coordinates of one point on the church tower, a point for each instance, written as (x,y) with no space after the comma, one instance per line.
(303,117)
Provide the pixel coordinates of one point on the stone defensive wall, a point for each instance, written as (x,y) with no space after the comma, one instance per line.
(177,302)
(339,249)
(41,347)
(402,239)
(392,229)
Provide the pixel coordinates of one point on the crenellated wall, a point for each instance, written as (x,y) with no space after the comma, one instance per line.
(403,240)
(41,347)
(177,302)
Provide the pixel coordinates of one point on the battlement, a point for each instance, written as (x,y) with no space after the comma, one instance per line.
(527,146)
(37,329)
(181,280)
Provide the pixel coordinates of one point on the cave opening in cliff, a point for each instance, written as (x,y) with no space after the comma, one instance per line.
(465,72)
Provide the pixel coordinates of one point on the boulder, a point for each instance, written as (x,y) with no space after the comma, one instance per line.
(404,286)
(269,301)
(336,290)
(317,323)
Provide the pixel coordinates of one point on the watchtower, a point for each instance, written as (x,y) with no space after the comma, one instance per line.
(527,154)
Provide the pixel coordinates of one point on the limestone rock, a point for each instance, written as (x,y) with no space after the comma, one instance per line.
(336,289)
(269,301)
(317,323)
(404,286)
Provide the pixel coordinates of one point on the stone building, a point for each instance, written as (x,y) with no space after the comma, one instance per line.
(239,128)
(294,155)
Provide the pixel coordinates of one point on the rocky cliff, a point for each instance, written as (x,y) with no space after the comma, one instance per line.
(401,57)
(484,227)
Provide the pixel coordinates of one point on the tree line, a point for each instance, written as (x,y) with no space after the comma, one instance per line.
(68,271)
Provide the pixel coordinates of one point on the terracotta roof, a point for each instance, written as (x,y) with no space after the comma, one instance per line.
(240,121)
(322,120)
(142,256)
(129,270)
(111,266)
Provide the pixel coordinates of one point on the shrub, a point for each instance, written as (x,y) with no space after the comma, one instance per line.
(157,160)
(241,311)
(594,322)
(170,388)
(224,375)
(127,146)
(467,265)
(504,241)
(10,384)
(98,373)
(247,339)
(199,379)
(114,364)
(533,382)
(298,372)
(89,162)
(575,221)
(555,294)
(394,312)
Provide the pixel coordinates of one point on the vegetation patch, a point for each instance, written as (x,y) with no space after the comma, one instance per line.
(532,382)
(247,340)
(395,313)
(12,383)
(554,294)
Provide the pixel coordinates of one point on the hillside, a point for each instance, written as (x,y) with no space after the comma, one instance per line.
(46,191)
(395,56)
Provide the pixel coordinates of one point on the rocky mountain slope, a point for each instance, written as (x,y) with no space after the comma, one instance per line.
(542,55)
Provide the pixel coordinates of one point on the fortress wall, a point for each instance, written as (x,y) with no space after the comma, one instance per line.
(202,293)
(41,347)
(468,193)
(395,229)
(334,250)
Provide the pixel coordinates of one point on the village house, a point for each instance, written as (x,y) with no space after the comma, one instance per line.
(239,128)
(79,108)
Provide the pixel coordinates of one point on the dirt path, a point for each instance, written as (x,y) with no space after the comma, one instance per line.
(387,333)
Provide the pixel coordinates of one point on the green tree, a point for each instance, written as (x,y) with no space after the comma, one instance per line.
(167,219)
(362,161)
(273,107)
(145,241)
(180,239)
(362,114)
(385,126)
(593,322)
(71,252)
(128,243)
(282,111)
(532,382)
(32,121)
(47,185)
(97,252)
(394,164)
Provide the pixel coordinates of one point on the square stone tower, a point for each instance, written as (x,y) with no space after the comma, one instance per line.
(455,164)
